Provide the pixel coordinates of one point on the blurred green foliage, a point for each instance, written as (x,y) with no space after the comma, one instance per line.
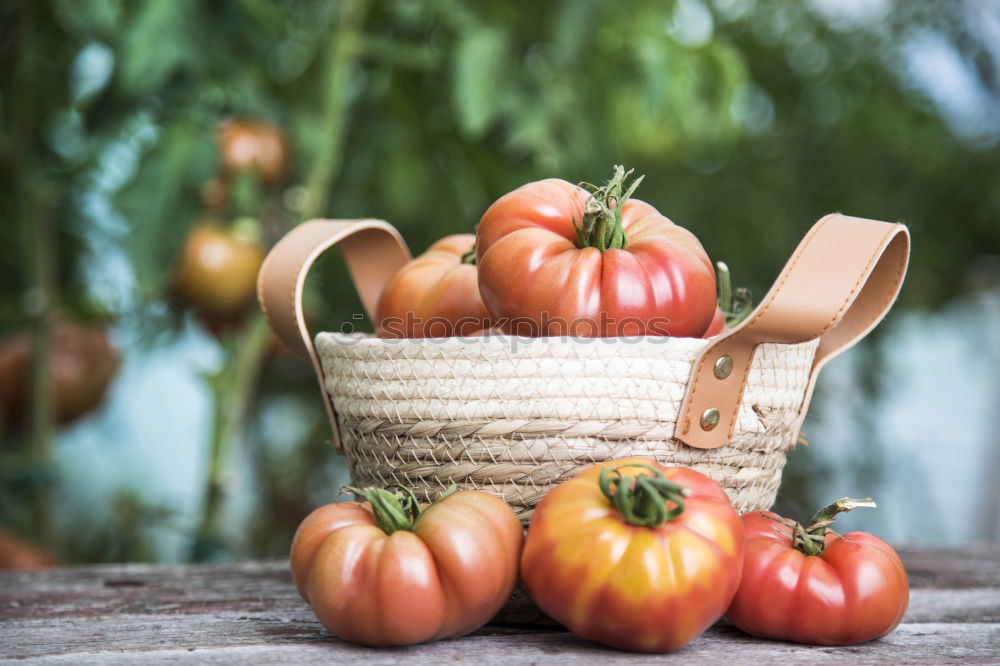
(749,119)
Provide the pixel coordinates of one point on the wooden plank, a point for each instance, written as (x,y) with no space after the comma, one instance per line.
(250,613)
(910,644)
(214,627)
(972,565)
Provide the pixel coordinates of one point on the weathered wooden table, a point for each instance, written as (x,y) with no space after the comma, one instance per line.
(250,613)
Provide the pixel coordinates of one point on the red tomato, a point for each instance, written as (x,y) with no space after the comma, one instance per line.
(811,585)
(718,324)
(634,555)
(82,365)
(386,573)
(435,295)
(555,259)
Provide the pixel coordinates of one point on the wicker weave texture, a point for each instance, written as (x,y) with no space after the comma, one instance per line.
(516,416)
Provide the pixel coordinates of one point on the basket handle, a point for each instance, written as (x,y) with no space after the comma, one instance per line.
(373,251)
(839,283)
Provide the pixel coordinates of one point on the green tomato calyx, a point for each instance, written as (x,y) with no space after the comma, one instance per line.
(602,212)
(812,540)
(644,500)
(395,511)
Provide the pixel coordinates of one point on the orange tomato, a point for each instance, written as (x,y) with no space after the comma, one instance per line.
(387,572)
(217,273)
(253,145)
(16,553)
(435,295)
(634,555)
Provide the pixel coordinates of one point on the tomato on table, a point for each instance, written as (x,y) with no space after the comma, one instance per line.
(557,259)
(634,555)
(390,572)
(812,585)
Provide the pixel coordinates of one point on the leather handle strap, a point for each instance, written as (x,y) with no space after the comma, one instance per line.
(839,283)
(373,251)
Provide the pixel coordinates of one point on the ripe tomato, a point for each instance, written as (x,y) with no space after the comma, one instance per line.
(387,572)
(16,553)
(435,295)
(217,273)
(82,364)
(256,146)
(811,585)
(555,259)
(718,324)
(634,555)
(733,306)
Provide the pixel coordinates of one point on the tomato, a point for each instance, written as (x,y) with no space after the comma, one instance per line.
(256,146)
(435,295)
(812,585)
(82,365)
(387,572)
(555,259)
(733,306)
(718,324)
(217,272)
(634,555)
(16,553)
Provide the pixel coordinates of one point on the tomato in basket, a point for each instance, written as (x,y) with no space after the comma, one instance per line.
(812,585)
(634,555)
(435,295)
(561,259)
(391,572)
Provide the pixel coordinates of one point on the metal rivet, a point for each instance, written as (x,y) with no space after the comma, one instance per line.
(723,367)
(710,418)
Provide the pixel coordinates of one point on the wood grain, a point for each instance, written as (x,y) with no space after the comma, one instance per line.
(249,613)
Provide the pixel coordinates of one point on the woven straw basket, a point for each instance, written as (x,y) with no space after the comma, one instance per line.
(516,416)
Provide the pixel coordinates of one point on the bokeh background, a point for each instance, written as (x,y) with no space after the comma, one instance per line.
(148,415)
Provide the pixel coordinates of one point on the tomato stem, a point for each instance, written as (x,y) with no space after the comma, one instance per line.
(736,304)
(812,540)
(395,511)
(602,213)
(470,256)
(643,500)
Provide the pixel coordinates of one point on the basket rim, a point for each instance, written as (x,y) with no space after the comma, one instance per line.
(500,340)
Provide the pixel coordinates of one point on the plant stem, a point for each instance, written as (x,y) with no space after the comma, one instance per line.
(811,540)
(234,396)
(602,214)
(42,301)
(725,281)
(343,51)
(843,505)
(232,410)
